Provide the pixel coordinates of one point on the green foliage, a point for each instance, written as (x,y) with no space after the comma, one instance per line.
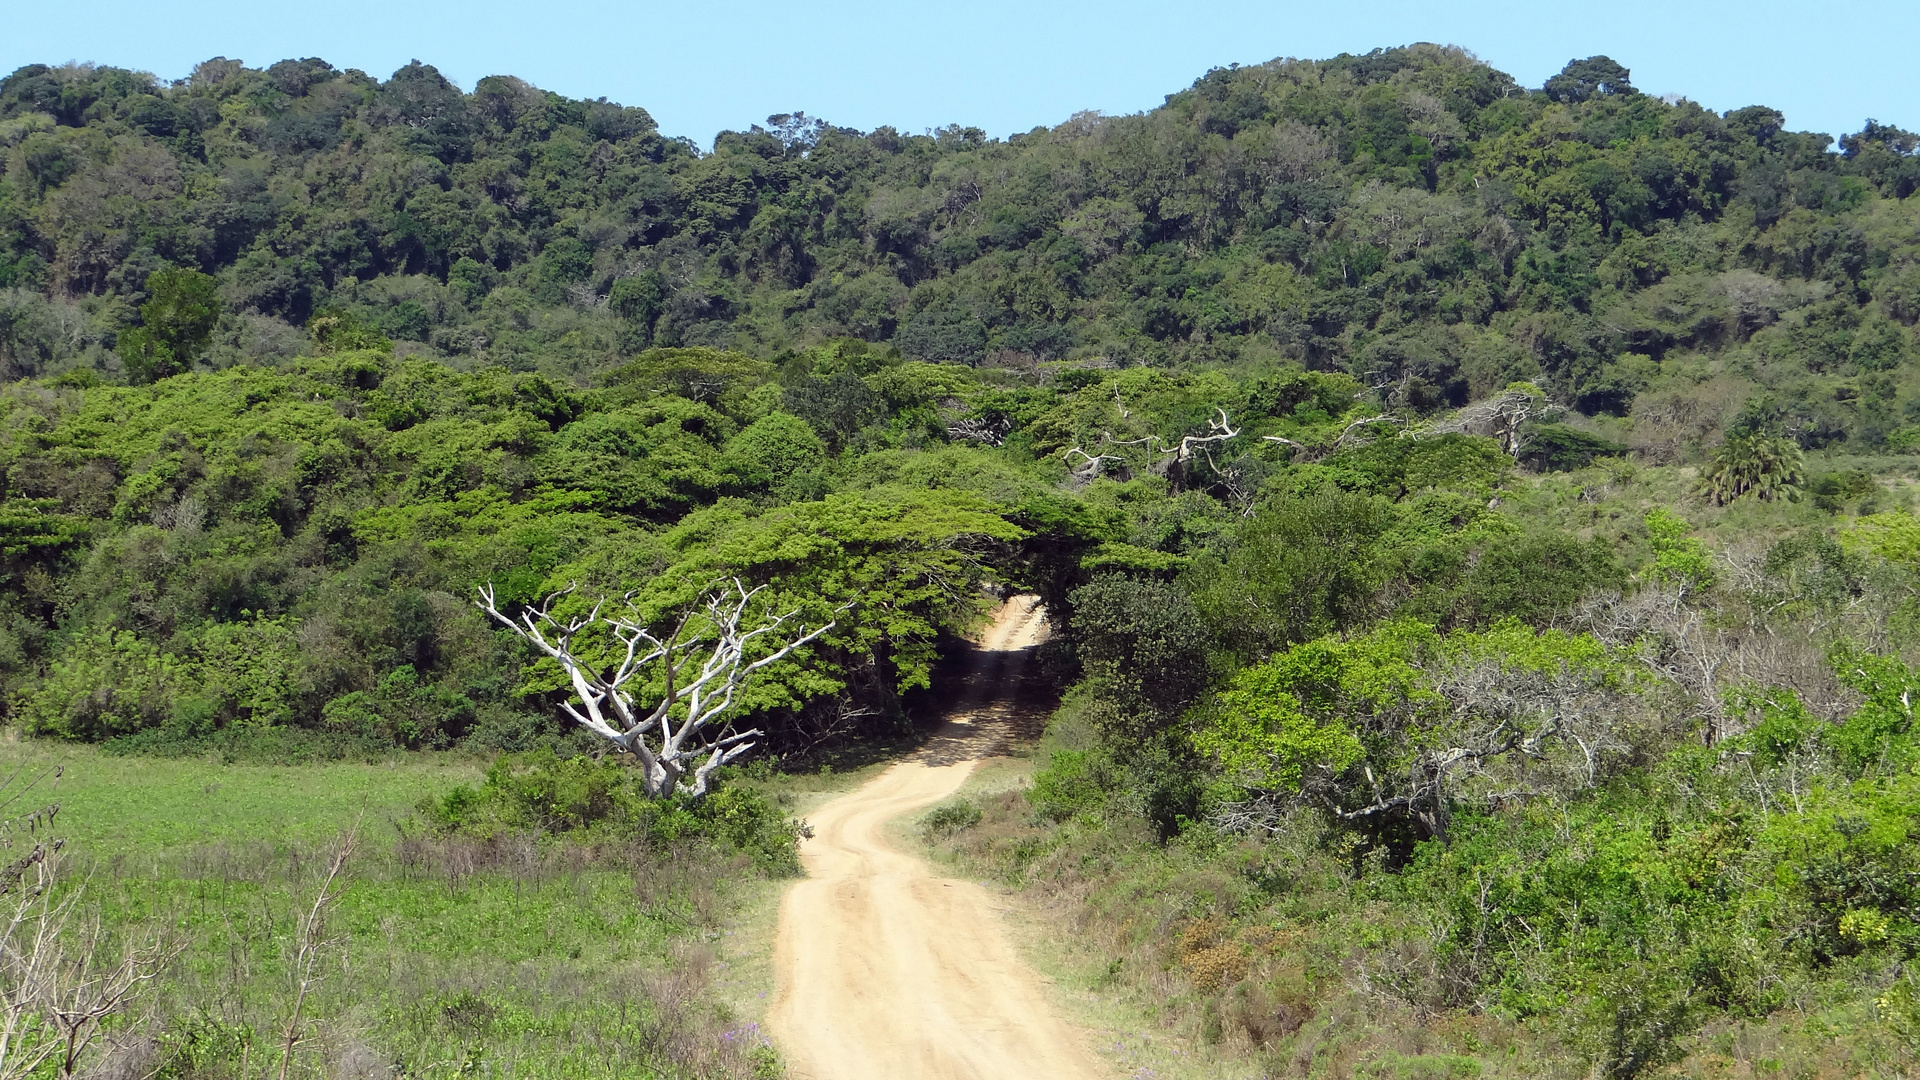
(34,527)
(401,711)
(1620,225)
(1532,576)
(1335,660)
(1833,491)
(1901,1006)
(335,330)
(1300,568)
(176,323)
(1071,785)
(1894,537)
(1362,722)
(1144,645)
(1262,737)
(723,380)
(639,300)
(1678,558)
(774,450)
(1583,80)
(1753,464)
(544,793)
(1780,725)
(249,670)
(905,560)
(1398,467)
(948,818)
(1560,447)
(102,685)
(435,917)
(1879,734)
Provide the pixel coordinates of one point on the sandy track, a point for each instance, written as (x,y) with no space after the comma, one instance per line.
(886,971)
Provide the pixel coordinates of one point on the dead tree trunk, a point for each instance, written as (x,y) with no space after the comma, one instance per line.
(703,663)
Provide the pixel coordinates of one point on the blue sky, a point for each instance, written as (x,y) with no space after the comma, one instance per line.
(1003,65)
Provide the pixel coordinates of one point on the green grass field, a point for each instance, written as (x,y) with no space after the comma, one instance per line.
(138,805)
(442,957)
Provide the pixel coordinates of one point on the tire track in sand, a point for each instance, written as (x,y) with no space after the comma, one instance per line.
(886,971)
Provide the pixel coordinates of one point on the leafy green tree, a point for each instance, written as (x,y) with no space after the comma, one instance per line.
(1560,447)
(1534,577)
(1879,734)
(176,323)
(1389,725)
(105,684)
(773,449)
(1144,646)
(657,460)
(470,280)
(1262,737)
(565,261)
(401,711)
(639,300)
(838,407)
(724,380)
(1833,491)
(1302,567)
(336,330)
(1583,80)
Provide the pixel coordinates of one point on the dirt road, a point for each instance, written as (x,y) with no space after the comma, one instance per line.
(887,971)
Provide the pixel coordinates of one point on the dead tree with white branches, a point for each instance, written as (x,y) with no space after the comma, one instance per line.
(702,664)
(991,430)
(1162,456)
(1503,418)
(1218,431)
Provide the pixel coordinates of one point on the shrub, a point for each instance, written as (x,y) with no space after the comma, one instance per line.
(401,711)
(1560,448)
(1141,640)
(949,818)
(772,448)
(1302,568)
(1071,785)
(105,684)
(1833,491)
(1677,557)
(542,792)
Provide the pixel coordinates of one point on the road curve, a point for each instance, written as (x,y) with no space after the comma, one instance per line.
(886,971)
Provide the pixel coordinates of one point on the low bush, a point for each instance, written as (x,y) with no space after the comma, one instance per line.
(544,793)
(949,818)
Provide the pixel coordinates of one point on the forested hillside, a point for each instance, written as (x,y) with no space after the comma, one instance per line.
(1476,518)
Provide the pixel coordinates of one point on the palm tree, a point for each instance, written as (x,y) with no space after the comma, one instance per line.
(1754,464)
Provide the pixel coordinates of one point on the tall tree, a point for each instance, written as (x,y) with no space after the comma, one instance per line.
(176,324)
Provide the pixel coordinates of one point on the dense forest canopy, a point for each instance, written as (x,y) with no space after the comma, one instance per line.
(296,341)
(296,344)
(1408,215)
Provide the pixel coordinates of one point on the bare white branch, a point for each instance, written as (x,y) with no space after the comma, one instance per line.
(702,664)
(991,431)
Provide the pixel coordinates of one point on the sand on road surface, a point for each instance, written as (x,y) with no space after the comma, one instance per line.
(884,969)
